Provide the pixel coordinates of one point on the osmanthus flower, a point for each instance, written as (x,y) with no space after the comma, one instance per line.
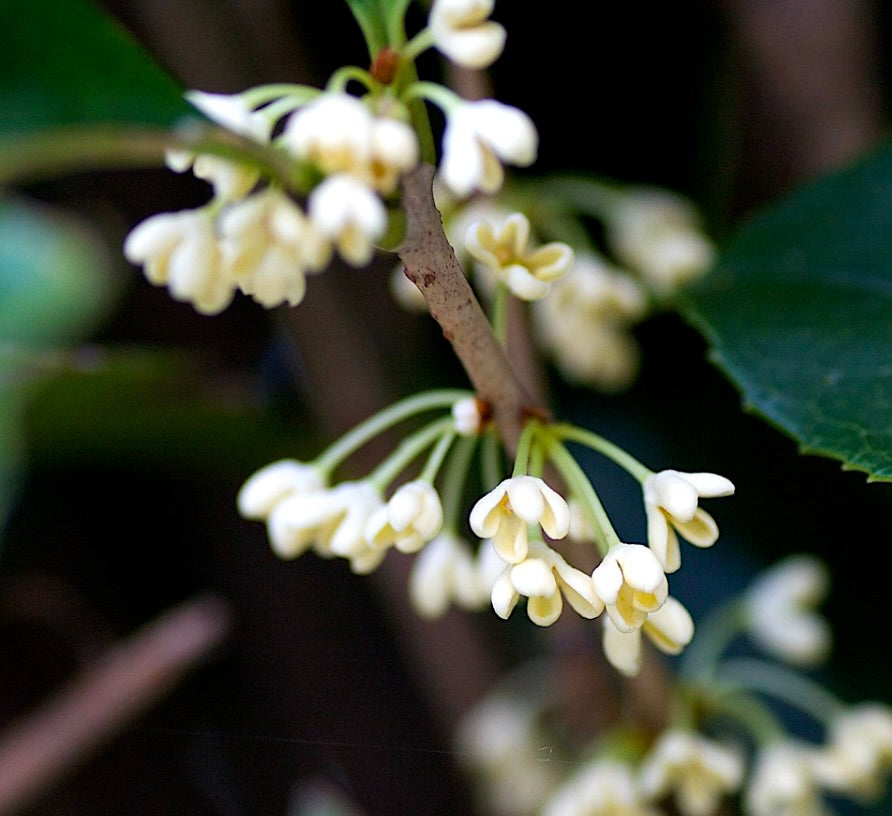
(462,31)
(631,583)
(584,324)
(231,180)
(347,212)
(603,787)
(780,608)
(658,234)
(543,577)
(783,783)
(670,628)
(268,244)
(410,519)
(858,754)
(338,133)
(506,512)
(500,740)
(505,251)
(260,494)
(698,771)
(331,520)
(180,250)
(478,138)
(670,502)
(446,571)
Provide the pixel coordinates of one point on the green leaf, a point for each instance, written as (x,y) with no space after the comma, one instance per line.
(381,22)
(66,63)
(799,315)
(55,286)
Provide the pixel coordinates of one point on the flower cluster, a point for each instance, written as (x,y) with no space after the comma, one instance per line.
(322,169)
(723,744)
(513,522)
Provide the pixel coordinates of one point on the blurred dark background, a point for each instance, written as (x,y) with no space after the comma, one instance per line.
(128,504)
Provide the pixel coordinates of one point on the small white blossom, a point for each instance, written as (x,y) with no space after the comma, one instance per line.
(180,250)
(331,521)
(658,235)
(670,628)
(543,577)
(631,582)
(445,571)
(339,134)
(275,482)
(479,136)
(500,742)
(699,771)
(232,112)
(468,416)
(347,212)
(268,244)
(585,321)
(670,501)
(505,251)
(334,132)
(780,607)
(461,30)
(411,518)
(858,754)
(230,179)
(602,788)
(505,513)
(783,783)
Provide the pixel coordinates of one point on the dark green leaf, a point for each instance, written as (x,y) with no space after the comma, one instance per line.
(381,22)
(65,63)
(799,315)
(55,286)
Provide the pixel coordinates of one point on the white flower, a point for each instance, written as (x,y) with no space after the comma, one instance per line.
(698,770)
(479,136)
(331,521)
(334,132)
(268,244)
(631,582)
(505,513)
(180,250)
(230,179)
(274,482)
(346,211)
(780,609)
(411,518)
(783,783)
(394,152)
(585,321)
(461,31)
(339,134)
(469,416)
(670,629)
(445,571)
(670,501)
(528,273)
(601,788)
(858,754)
(542,577)
(658,234)
(232,112)
(500,742)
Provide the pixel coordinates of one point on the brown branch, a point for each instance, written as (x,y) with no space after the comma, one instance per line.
(430,263)
(37,751)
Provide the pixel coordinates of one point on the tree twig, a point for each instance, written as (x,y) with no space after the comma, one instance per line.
(39,750)
(430,263)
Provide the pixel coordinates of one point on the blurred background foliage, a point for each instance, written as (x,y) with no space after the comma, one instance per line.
(128,421)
